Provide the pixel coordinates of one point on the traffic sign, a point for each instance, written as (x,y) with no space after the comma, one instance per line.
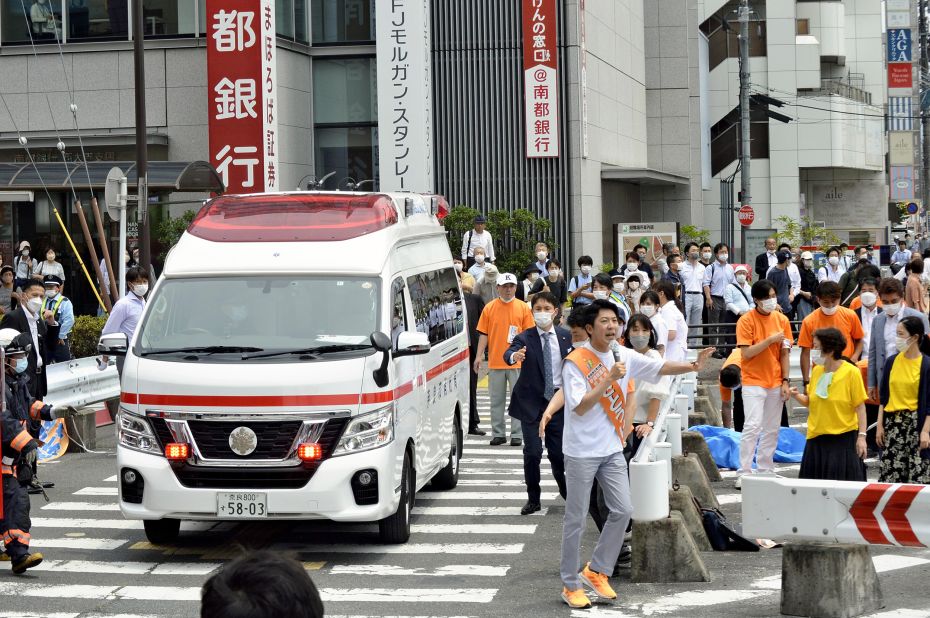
(746,215)
(912,208)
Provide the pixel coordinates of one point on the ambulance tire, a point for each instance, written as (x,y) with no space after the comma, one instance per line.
(395,529)
(162,531)
(448,477)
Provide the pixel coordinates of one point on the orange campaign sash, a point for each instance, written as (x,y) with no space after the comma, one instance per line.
(594,370)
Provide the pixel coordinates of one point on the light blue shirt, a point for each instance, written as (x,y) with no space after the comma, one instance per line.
(65,314)
(736,300)
(576,282)
(125,316)
(718,276)
(900,257)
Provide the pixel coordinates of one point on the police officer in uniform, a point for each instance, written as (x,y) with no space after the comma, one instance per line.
(19,430)
(58,313)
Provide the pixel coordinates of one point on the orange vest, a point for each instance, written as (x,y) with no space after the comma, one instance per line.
(593,370)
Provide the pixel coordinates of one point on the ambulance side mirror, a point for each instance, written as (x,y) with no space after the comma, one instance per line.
(382,343)
(411,343)
(114,344)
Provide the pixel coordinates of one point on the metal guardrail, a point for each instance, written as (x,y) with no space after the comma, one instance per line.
(660,429)
(79,383)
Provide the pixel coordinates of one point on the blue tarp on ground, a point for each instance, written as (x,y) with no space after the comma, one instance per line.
(724,445)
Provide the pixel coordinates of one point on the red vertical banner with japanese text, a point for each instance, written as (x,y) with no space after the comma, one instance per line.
(540,78)
(242,94)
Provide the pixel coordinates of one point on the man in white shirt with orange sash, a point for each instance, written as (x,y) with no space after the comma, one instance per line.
(596,425)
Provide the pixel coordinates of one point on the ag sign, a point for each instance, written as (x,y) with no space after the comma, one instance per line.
(899,45)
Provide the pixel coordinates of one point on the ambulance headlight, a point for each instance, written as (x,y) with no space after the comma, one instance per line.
(367,431)
(135,432)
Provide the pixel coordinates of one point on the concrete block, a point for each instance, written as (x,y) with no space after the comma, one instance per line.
(682,501)
(693,442)
(687,470)
(703,390)
(827,581)
(664,552)
(704,406)
(82,428)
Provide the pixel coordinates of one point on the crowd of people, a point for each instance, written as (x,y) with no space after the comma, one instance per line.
(569,347)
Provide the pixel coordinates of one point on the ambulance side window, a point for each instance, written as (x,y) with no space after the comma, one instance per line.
(398,311)
(437,304)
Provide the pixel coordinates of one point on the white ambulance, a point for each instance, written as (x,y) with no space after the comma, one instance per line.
(281,368)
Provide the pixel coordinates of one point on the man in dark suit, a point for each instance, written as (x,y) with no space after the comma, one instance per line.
(27,318)
(473,308)
(764,261)
(541,350)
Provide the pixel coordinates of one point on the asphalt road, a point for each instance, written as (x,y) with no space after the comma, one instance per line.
(471,554)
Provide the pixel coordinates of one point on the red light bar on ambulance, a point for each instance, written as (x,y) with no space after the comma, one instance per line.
(293,218)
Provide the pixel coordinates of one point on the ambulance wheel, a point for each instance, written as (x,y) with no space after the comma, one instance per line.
(395,529)
(448,477)
(162,531)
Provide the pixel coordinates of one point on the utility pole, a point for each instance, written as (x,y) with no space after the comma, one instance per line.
(922,6)
(142,163)
(745,177)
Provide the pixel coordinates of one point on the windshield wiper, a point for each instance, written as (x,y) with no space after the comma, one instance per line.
(212,349)
(313,352)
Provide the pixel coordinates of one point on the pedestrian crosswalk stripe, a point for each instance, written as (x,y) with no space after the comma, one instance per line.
(110,479)
(77,543)
(407,548)
(128,568)
(498,460)
(729,498)
(473,528)
(97,491)
(409,595)
(457,570)
(86,591)
(515,472)
(474,510)
(500,451)
(480,495)
(80,506)
(114,524)
(501,483)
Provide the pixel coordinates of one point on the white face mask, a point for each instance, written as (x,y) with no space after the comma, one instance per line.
(833,260)
(769,304)
(479,258)
(51,293)
(533,277)
(543,319)
(829,310)
(891,309)
(618,288)
(868,298)
(808,263)
(554,273)
(706,255)
(458,267)
(506,300)
(647,310)
(585,270)
(541,255)
(140,289)
(723,257)
(817,356)
(741,278)
(902,343)
(600,294)
(34,305)
(631,267)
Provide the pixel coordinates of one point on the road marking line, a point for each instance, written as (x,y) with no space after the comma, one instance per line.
(110,479)
(128,568)
(502,450)
(81,543)
(80,506)
(97,491)
(85,591)
(730,498)
(473,528)
(457,570)
(902,613)
(891,562)
(501,483)
(481,495)
(498,460)
(695,598)
(112,524)
(517,473)
(409,595)
(474,510)
(409,548)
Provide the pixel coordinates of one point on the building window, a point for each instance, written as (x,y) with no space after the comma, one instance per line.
(42,19)
(170,18)
(345,116)
(804,27)
(291,19)
(98,19)
(343,21)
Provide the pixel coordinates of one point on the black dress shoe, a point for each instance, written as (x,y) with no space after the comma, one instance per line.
(516,442)
(498,441)
(474,431)
(530,507)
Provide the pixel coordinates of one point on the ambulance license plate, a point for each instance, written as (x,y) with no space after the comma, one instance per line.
(242,505)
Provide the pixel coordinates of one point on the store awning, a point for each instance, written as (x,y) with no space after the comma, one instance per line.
(190,177)
(642,176)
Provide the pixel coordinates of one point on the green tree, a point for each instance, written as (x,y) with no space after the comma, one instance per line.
(169,231)
(804,233)
(515,235)
(692,233)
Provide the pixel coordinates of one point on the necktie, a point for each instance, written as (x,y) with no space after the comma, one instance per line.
(547,367)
